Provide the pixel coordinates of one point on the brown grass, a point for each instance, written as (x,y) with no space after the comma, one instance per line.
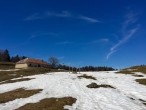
(7,65)
(94,85)
(136,75)
(7,75)
(141,81)
(17,80)
(134,69)
(143,101)
(87,77)
(125,72)
(18,93)
(49,104)
(131,98)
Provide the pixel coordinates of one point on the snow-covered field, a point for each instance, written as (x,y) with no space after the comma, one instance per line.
(64,84)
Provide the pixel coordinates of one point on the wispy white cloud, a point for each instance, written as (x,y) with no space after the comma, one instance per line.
(103,41)
(62,14)
(88,19)
(34,16)
(127,32)
(63,43)
(110,53)
(131,18)
(125,39)
(48,14)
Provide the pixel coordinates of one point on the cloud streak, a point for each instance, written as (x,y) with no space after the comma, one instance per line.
(125,39)
(62,14)
(127,32)
(110,53)
(88,19)
(34,16)
(103,41)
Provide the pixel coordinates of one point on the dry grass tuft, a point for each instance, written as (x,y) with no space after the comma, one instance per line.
(49,104)
(87,77)
(94,85)
(18,93)
(17,80)
(141,81)
(143,101)
(136,75)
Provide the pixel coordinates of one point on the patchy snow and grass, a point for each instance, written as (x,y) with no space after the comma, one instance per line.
(125,96)
(10,70)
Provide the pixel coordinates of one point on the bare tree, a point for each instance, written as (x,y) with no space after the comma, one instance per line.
(53,61)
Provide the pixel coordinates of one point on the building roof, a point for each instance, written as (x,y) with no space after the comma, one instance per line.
(32,60)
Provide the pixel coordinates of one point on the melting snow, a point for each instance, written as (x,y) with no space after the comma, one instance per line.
(64,84)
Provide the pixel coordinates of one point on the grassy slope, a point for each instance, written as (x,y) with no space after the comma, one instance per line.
(7,75)
(7,65)
(133,69)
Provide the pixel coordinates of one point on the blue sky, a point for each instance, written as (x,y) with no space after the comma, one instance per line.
(78,32)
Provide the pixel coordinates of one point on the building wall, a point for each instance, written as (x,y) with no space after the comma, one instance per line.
(26,65)
(33,65)
(36,65)
(21,66)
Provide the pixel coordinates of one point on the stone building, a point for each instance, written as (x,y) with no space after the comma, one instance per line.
(31,62)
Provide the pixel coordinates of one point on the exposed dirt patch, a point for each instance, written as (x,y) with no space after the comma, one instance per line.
(94,85)
(141,81)
(143,101)
(17,80)
(125,72)
(136,75)
(49,104)
(131,98)
(18,93)
(87,77)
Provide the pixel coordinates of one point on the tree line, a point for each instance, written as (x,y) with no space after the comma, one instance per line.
(56,65)
(5,57)
(85,68)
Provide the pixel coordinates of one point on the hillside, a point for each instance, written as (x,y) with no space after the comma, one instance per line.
(7,65)
(133,69)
